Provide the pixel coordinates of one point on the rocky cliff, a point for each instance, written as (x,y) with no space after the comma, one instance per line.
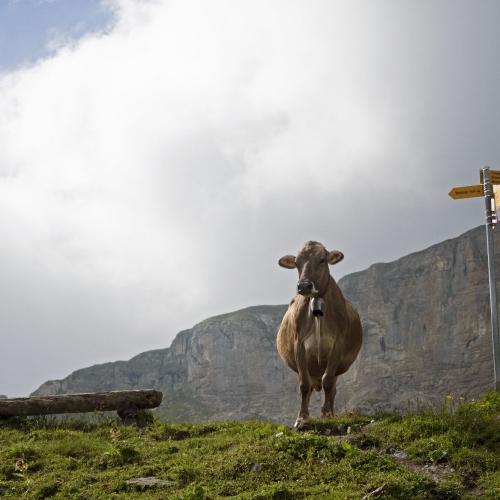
(427,335)
(426,321)
(225,367)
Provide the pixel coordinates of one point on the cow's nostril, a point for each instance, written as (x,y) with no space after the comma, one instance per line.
(305,287)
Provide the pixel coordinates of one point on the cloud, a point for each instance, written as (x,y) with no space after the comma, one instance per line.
(152,174)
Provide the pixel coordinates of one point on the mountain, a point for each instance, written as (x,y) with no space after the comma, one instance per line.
(427,326)
(225,367)
(427,335)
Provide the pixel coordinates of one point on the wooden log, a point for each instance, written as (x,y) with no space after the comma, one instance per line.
(124,402)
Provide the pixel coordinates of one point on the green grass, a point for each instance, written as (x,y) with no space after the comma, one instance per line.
(343,458)
(183,408)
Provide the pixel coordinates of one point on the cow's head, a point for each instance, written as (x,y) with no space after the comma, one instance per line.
(312,263)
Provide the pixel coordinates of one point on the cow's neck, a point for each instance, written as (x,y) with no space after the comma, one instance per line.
(325,290)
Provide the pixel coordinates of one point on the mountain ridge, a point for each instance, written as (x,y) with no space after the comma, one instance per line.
(426,334)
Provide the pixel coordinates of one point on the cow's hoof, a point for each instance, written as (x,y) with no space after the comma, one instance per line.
(301,421)
(326,414)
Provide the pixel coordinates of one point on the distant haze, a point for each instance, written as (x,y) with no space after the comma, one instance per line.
(154,168)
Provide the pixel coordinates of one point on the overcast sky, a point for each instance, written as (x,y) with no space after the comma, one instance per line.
(157,158)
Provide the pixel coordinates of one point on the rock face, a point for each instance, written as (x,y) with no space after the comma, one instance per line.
(226,367)
(426,328)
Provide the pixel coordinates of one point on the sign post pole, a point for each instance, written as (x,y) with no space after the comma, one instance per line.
(491,274)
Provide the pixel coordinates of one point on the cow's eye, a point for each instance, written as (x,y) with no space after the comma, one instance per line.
(322,261)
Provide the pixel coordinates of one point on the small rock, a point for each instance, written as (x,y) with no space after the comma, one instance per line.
(256,467)
(149,481)
(386,451)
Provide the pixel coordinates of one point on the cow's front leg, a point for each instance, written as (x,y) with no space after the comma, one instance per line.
(330,385)
(305,387)
(330,393)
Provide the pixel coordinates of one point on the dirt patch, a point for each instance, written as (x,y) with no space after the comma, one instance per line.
(436,471)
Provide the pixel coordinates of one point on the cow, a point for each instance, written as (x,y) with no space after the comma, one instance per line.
(321,334)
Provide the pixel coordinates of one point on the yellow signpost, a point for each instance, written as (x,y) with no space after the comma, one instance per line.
(488,179)
(497,199)
(458,193)
(494,177)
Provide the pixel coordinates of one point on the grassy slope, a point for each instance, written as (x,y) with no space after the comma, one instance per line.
(459,444)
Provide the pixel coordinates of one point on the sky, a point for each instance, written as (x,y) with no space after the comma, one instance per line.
(158,157)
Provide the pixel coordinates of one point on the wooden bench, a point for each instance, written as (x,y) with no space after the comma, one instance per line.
(125,403)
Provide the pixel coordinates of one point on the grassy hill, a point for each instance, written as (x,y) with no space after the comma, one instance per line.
(449,453)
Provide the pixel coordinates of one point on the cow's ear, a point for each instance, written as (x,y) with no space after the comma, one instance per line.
(288,262)
(334,257)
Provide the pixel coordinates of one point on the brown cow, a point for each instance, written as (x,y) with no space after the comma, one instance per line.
(320,335)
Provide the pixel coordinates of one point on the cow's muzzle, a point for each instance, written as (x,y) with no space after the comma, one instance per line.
(306,287)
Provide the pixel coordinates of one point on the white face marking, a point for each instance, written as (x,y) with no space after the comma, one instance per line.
(304,270)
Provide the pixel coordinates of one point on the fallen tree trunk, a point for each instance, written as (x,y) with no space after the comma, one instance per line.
(126,403)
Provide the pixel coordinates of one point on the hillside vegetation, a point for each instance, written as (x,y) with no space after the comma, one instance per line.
(449,453)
